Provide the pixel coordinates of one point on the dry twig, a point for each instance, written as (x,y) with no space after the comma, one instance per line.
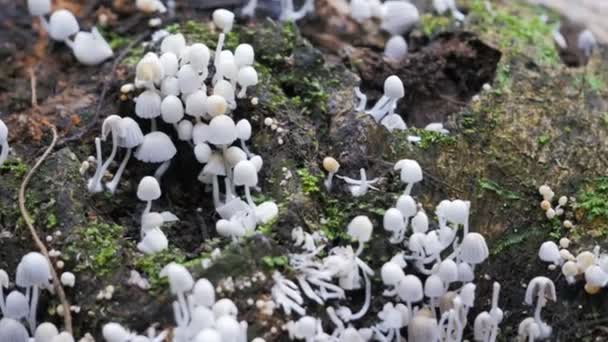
(67,317)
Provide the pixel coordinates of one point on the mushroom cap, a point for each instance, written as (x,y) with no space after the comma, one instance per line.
(151,220)
(189,79)
(208,335)
(420,222)
(224,89)
(46,331)
(227,65)
(465,272)
(257,161)
(156,147)
(393,87)
(457,211)
(399,17)
(225,307)
(114,332)
(129,133)
(432,244)
(90,48)
(184,130)
(411,172)
(229,328)
(474,249)
(393,220)
(196,103)
(109,125)
(244,55)
(202,152)
(243,128)
(467,294)
(222,130)
(537,286)
(147,105)
(202,318)
(266,211)
(148,189)
(422,328)
(448,271)
(410,289)
(549,252)
(154,241)
(39,7)
(68,279)
(360,10)
(204,293)
(305,328)
(215,166)
(360,229)
(594,276)
(586,42)
(171,109)
(170,86)
(174,43)
(170,63)
(331,165)
(3,132)
(407,205)
(570,269)
(198,56)
(149,69)
(584,260)
(433,287)
(229,228)
(223,19)
(33,270)
(180,279)
(395,48)
(245,174)
(216,105)
(62,25)
(4,279)
(247,76)
(200,133)
(17,306)
(391,274)
(393,122)
(233,155)
(12,331)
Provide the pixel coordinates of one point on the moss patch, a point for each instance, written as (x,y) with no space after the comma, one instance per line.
(99,245)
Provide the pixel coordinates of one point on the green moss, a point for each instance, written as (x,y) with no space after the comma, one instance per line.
(492,186)
(15,167)
(432,24)
(115,40)
(334,220)
(310,183)
(134,55)
(151,265)
(429,138)
(544,139)
(514,239)
(593,199)
(51,221)
(274,262)
(516,29)
(101,244)
(267,228)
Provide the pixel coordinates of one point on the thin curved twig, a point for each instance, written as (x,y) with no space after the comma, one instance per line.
(67,317)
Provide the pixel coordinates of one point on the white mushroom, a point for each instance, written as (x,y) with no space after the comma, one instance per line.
(90,48)
(156,147)
(62,25)
(3,142)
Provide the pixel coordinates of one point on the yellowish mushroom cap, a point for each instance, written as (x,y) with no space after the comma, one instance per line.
(331,165)
(545,205)
(591,289)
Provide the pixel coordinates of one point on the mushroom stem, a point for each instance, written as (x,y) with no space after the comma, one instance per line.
(111,186)
(153,125)
(106,164)
(4,153)
(242,93)
(161,170)
(2,303)
(44,23)
(93,185)
(379,108)
(245,148)
(408,188)
(33,308)
(228,186)
(368,296)
(328,181)
(216,192)
(362,100)
(248,196)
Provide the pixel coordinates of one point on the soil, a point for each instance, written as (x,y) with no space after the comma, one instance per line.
(538,122)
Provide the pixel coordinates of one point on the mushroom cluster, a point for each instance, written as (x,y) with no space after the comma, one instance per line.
(178,88)
(590,266)
(554,212)
(18,311)
(89,48)
(432,300)
(383,111)
(287,9)
(198,316)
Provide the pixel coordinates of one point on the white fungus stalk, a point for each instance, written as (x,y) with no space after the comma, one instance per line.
(3,142)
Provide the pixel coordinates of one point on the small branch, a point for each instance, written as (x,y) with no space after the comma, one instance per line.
(33,86)
(67,317)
